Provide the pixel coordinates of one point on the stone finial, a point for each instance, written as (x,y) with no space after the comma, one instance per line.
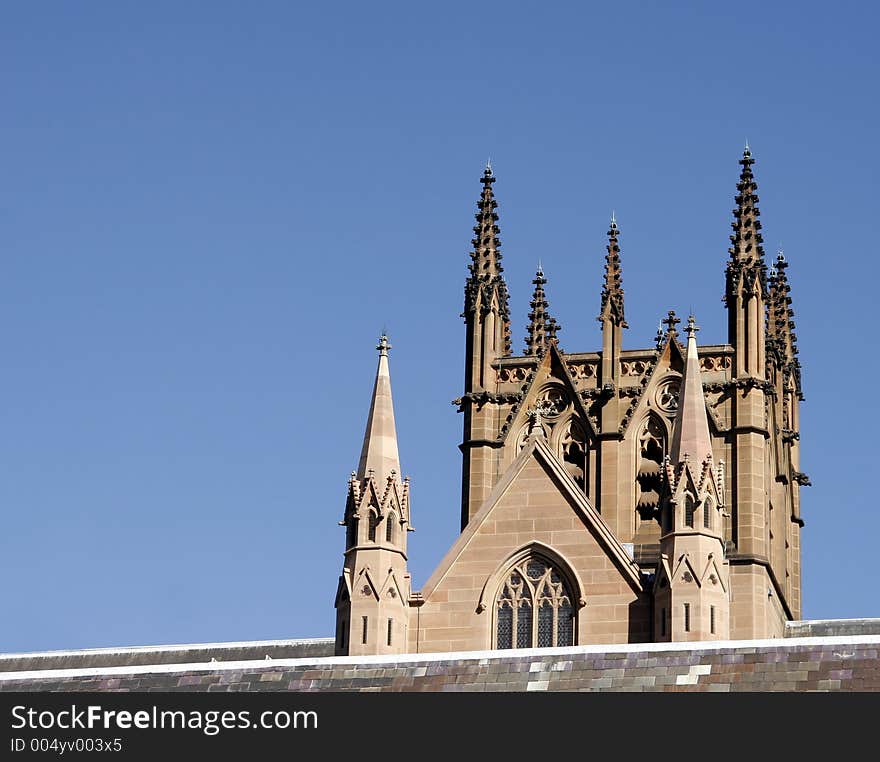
(670,321)
(536,416)
(383,346)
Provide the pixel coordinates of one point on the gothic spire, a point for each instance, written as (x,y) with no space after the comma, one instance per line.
(690,433)
(780,321)
(746,251)
(612,292)
(379,455)
(485,281)
(746,238)
(542,327)
(486,256)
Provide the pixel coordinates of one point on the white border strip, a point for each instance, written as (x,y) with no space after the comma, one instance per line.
(706,647)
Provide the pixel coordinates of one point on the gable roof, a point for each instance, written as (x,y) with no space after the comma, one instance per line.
(536,448)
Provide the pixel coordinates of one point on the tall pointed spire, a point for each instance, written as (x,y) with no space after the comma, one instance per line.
(612,291)
(781,338)
(485,267)
(487,254)
(379,455)
(746,249)
(690,435)
(542,328)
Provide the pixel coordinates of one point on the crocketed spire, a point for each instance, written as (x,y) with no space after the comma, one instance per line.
(746,252)
(485,283)
(542,328)
(781,339)
(612,291)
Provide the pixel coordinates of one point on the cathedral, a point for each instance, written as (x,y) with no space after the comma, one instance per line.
(608,497)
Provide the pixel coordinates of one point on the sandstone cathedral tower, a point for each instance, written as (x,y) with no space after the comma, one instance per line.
(618,496)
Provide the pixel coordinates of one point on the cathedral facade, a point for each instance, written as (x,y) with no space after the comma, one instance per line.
(616,496)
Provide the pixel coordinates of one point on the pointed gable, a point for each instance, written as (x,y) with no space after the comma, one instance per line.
(536,499)
(552,371)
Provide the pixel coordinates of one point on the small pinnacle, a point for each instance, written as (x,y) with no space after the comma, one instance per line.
(540,268)
(747,150)
(692,326)
(613,218)
(489,165)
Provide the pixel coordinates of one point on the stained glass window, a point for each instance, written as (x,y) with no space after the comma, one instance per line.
(505,627)
(545,625)
(524,624)
(535,570)
(565,625)
(534,608)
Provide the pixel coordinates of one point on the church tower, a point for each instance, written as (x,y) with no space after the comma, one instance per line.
(373,594)
(764,524)
(691,588)
(617,495)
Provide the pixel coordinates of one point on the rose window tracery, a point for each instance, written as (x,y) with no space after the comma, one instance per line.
(666,396)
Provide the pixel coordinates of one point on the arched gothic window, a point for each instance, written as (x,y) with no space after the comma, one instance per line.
(689,511)
(534,607)
(351,531)
(389,528)
(707,518)
(374,522)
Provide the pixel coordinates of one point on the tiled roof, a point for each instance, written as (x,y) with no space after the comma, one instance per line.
(845,663)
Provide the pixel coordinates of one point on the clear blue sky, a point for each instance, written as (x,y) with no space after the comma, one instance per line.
(208,211)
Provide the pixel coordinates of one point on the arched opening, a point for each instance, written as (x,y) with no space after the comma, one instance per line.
(652,448)
(389,527)
(374,522)
(351,531)
(689,511)
(534,606)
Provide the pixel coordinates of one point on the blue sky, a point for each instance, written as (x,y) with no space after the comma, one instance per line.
(208,211)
